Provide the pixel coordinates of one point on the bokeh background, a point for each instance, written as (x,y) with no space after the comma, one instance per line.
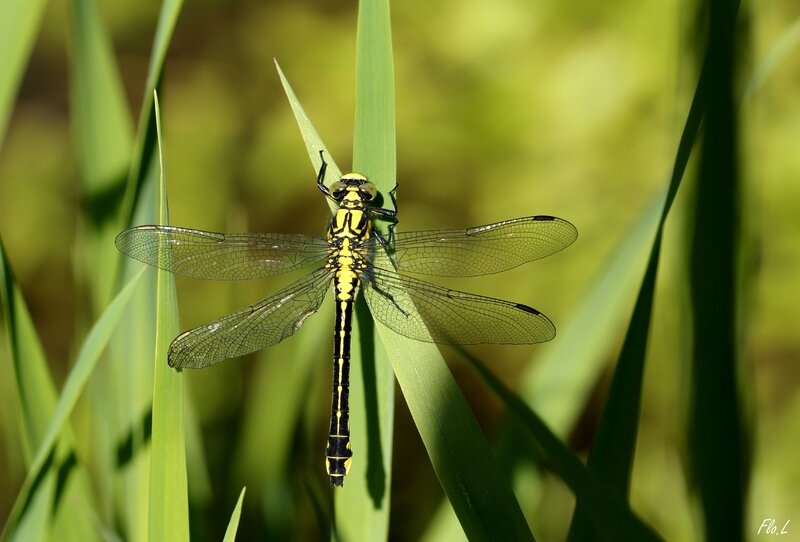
(504,109)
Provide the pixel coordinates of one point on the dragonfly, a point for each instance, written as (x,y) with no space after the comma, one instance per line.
(354,256)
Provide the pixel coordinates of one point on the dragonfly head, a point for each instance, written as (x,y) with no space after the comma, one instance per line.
(353,186)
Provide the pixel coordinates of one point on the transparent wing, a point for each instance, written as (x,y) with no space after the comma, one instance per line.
(482,250)
(423,311)
(220,256)
(260,325)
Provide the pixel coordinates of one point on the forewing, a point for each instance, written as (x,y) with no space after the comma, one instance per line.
(260,325)
(482,250)
(426,312)
(220,256)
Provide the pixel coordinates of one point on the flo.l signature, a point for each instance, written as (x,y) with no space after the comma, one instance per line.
(770,526)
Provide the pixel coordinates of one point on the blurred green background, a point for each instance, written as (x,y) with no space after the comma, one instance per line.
(504,109)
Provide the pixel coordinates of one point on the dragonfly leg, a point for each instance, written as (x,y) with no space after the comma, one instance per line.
(392,225)
(321,176)
(389,215)
(393,196)
(388,296)
(387,244)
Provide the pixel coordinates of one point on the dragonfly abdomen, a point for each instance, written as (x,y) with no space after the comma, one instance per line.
(339,453)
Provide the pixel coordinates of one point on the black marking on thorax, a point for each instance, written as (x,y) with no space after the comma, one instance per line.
(348,233)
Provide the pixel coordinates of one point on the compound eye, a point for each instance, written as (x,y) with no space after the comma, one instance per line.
(367,192)
(338,190)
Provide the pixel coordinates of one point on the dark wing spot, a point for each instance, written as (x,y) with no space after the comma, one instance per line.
(526,308)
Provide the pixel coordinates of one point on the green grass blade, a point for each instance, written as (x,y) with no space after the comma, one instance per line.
(606,508)
(374,146)
(85,364)
(46,511)
(717,439)
(35,388)
(144,148)
(362,509)
(233,524)
(102,128)
(128,383)
(19,24)
(266,459)
(475,485)
(36,402)
(102,123)
(614,446)
(103,131)
(169,499)
(35,396)
(613,451)
(559,383)
(310,136)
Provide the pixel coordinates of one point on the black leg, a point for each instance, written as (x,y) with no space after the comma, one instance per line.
(388,296)
(393,196)
(389,215)
(382,240)
(321,176)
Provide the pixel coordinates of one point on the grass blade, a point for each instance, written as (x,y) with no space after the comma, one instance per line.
(613,451)
(233,524)
(128,384)
(63,479)
(144,148)
(716,436)
(102,122)
(19,24)
(103,130)
(481,497)
(169,499)
(362,509)
(310,136)
(374,147)
(35,395)
(36,390)
(607,509)
(266,459)
(85,364)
